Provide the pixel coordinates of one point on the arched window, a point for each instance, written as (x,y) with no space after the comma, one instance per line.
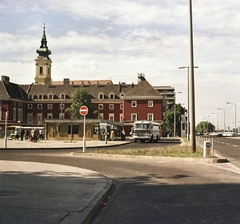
(41,70)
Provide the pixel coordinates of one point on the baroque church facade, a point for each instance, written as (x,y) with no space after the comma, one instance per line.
(43,103)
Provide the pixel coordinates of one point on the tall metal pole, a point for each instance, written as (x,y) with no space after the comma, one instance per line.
(217,121)
(192,146)
(175,96)
(5,137)
(188,123)
(224,125)
(235,114)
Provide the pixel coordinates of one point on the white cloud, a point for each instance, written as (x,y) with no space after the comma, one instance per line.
(106,39)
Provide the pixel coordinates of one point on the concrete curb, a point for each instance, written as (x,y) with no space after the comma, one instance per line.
(205,160)
(90,211)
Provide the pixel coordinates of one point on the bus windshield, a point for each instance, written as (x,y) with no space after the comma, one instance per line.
(141,126)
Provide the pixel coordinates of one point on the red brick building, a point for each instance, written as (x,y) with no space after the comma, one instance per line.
(43,103)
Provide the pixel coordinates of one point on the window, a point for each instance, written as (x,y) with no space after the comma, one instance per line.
(111,96)
(20,114)
(150,103)
(111,106)
(41,70)
(29,117)
(29,106)
(121,118)
(134,103)
(61,106)
(111,117)
(29,97)
(101,116)
(121,107)
(62,96)
(100,106)
(39,106)
(133,117)
(49,106)
(50,96)
(1,113)
(49,116)
(14,113)
(40,97)
(39,117)
(49,71)
(150,117)
(100,96)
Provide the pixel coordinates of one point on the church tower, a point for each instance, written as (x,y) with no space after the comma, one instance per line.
(43,62)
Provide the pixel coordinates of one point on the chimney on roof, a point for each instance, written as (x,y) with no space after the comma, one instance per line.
(141,77)
(66,81)
(5,79)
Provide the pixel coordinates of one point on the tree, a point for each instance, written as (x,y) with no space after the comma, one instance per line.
(205,126)
(82,97)
(168,118)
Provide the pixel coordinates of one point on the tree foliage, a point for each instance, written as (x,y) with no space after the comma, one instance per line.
(168,118)
(79,98)
(205,126)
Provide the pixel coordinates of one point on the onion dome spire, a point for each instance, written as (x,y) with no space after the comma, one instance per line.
(43,50)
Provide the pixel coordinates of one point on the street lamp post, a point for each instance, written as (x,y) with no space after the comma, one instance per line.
(235,114)
(223,118)
(183,67)
(192,144)
(175,96)
(217,120)
(213,121)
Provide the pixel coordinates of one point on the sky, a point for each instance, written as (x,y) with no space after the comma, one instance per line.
(93,40)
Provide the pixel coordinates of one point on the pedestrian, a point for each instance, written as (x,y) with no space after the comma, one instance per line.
(40,134)
(123,134)
(22,134)
(112,135)
(35,135)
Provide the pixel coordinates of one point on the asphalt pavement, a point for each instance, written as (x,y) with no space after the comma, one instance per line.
(50,193)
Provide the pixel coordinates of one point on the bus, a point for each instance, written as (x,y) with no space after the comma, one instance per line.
(146,131)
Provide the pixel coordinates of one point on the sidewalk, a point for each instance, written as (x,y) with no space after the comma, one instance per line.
(50,193)
(52,144)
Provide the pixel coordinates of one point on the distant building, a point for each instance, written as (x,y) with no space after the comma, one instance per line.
(43,103)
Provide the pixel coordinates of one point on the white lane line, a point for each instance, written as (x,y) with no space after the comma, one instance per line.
(235,145)
(226,166)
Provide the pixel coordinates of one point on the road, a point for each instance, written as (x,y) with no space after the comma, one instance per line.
(156,190)
(228,148)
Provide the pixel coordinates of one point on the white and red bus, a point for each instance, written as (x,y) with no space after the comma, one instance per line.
(146,131)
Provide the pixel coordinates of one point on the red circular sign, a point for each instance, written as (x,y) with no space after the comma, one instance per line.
(83,110)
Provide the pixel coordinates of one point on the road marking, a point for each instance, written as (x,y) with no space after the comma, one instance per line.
(235,145)
(226,166)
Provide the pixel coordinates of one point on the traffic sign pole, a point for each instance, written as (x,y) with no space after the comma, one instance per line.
(84,111)
(84,136)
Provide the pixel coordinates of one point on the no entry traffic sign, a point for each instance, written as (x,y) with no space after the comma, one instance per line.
(83,110)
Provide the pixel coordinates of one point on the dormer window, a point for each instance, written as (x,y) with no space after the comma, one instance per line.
(100,96)
(111,96)
(62,96)
(40,96)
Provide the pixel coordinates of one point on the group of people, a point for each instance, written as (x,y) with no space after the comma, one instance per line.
(34,135)
(123,135)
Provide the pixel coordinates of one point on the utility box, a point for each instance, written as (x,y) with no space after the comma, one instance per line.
(207,149)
